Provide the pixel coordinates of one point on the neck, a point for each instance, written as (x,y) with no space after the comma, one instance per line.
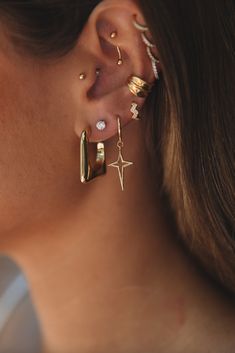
(110,273)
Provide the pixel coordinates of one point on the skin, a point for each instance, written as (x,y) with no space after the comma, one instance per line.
(105,268)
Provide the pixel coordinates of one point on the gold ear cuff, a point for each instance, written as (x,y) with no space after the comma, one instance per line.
(138,87)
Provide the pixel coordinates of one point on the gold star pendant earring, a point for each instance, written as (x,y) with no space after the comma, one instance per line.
(120,163)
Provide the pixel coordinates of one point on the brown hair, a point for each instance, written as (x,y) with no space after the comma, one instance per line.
(191,111)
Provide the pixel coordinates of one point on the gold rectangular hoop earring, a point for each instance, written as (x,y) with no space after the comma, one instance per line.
(87,172)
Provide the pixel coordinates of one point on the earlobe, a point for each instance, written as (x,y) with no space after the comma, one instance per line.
(120,43)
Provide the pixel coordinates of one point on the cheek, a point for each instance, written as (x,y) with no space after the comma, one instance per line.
(38,155)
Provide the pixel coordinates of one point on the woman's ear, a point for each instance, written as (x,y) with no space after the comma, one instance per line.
(114,46)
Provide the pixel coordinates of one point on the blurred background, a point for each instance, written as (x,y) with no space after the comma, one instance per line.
(19,328)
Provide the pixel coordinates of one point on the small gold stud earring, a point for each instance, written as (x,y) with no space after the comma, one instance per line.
(113,35)
(89,172)
(82,76)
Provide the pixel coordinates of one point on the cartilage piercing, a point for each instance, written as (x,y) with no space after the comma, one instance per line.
(82,76)
(138,87)
(149,45)
(120,59)
(135,112)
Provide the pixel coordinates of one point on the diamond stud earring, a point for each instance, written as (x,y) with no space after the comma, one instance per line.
(143,29)
(101,125)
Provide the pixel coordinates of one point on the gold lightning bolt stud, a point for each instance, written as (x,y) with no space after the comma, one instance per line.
(135,112)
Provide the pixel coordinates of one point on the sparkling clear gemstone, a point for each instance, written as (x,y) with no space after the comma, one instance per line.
(101,125)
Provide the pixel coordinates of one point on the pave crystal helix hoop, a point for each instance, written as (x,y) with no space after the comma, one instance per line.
(138,87)
(87,172)
(120,164)
(149,45)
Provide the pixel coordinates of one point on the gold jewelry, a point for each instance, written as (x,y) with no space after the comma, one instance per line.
(149,46)
(135,112)
(120,59)
(138,87)
(82,76)
(113,35)
(141,83)
(120,163)
(87,172)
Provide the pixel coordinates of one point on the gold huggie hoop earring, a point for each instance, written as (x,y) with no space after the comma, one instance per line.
(138,87)
(120,163)
(87,172)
